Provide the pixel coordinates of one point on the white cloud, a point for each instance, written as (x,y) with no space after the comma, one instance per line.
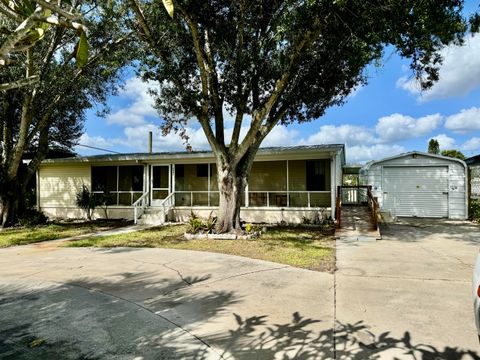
(465,120)
(459,74)
(139,104)
(445,141)
(281,136)
(364,153)
(472,145)
(136,138)
(398,127)
(348,134)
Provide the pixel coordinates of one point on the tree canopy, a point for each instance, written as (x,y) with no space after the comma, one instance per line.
(453,154)
(275,62)
(25,22)
(49,113)
(433,147)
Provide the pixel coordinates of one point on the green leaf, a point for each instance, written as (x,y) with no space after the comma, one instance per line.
(82,50)
(169,6)
(45,25)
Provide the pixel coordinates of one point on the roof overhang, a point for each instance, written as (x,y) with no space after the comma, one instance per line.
(413,153)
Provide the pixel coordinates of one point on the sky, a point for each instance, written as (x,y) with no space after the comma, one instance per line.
(386,117)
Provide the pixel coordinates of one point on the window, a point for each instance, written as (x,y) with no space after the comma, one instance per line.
(130,178)
(179,171)
(123,185)
(316,175)
(202,170)
(104,178)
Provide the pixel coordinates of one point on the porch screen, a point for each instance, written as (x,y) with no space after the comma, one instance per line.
(122,185)
(316,175)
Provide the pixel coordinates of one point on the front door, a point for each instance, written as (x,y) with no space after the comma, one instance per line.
(161,183)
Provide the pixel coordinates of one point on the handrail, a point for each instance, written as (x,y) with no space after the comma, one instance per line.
(338,212)
(374,207)
(287,193)
(139,206)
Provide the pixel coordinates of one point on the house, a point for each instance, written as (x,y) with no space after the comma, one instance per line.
(474,176)
(417,184)
(285,184)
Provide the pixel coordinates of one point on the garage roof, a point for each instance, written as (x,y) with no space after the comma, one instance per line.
(411,153)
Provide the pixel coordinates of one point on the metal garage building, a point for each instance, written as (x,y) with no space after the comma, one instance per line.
(418,184)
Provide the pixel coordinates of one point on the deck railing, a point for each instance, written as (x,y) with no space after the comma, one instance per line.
(357,195)
(270,198)
(374,207)
(119,198)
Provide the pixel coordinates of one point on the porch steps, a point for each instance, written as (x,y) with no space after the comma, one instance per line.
(357,223)
(152,216)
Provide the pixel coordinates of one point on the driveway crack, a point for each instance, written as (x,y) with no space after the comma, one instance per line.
(178,273)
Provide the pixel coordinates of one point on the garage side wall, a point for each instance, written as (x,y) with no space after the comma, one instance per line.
(457,206)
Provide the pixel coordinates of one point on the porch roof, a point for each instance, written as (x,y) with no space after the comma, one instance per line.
(266,151)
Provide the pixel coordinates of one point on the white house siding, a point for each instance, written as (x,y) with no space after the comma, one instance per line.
(58,186)
(374,175)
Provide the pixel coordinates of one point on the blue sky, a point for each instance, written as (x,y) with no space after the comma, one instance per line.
(384,118)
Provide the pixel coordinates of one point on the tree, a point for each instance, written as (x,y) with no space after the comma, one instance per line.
(453,154)
(276,62)
(50,112)
(25,22)
(433,147)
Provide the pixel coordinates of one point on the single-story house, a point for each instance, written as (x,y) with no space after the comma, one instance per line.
(286,184)
(474,176)
(417,184)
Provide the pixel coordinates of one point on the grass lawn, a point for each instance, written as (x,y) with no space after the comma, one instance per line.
(53,231)
(305,248)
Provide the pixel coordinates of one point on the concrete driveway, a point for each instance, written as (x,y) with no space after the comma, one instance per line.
(159,304)
(409,295)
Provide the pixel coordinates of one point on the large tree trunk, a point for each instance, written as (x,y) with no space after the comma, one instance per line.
(232,180)
(9,204)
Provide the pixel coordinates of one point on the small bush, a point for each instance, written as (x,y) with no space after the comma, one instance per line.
(249,228)
(474,210)
(86,201)
(195,224)
(210,223)
(306,220)
(32,217)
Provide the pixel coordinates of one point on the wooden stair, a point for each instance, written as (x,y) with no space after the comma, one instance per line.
(357,222)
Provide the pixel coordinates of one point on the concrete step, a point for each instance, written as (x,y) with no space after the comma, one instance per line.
(152,217)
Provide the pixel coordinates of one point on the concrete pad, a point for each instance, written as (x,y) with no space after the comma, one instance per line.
(160,304)
(409,295)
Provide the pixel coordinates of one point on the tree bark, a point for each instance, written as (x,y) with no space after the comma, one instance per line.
(232,181)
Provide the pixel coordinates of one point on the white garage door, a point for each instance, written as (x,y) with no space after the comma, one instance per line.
(416,191)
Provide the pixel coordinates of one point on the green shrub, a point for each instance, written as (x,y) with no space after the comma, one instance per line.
(474,210)
(32,217)
(86,201)
(195,224)
(210,223)
(249,228)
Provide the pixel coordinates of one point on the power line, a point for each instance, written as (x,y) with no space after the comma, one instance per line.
(97,148)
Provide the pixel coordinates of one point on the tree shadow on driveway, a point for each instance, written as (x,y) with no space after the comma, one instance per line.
(107,319)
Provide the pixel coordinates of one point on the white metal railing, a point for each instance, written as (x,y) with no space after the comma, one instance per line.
(139,206)
(166,205)
(270,198)
(116,196)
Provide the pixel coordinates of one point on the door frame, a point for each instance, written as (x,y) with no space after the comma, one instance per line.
(157,202)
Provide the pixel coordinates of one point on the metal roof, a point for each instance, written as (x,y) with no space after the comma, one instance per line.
(195,154)
(369,164)
(474,160)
